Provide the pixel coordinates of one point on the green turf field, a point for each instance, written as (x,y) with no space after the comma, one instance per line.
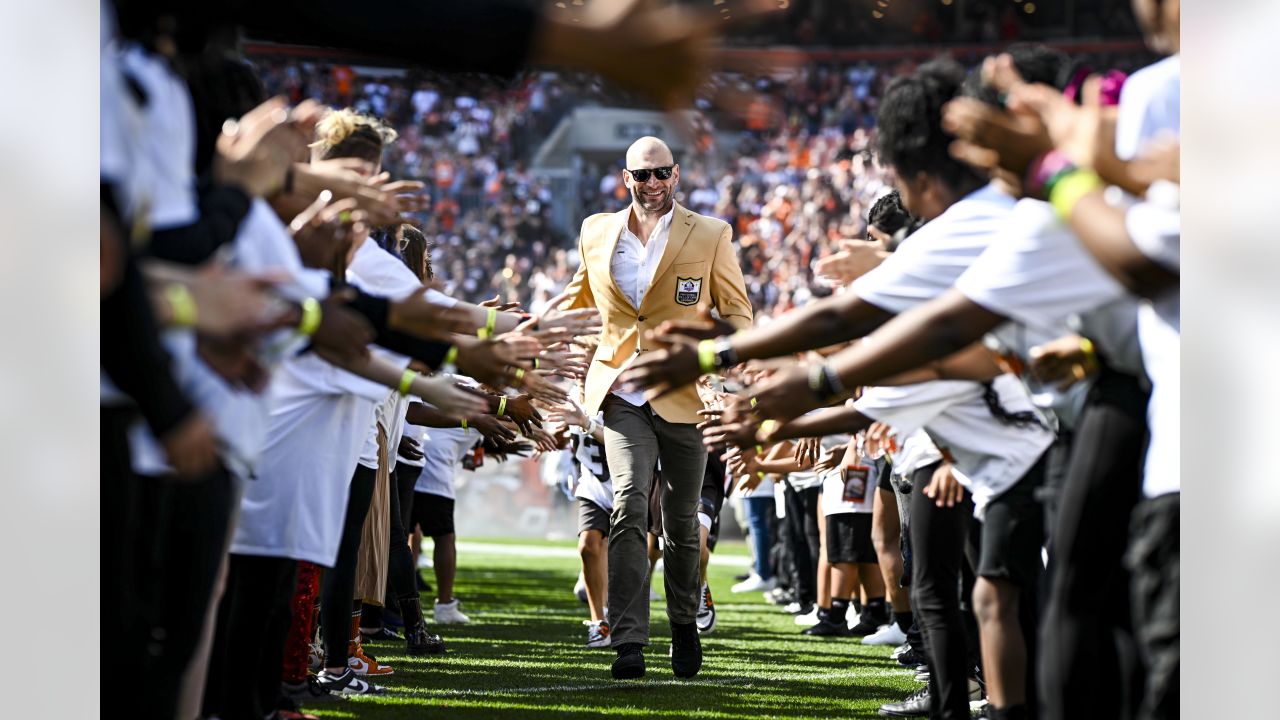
(523,656)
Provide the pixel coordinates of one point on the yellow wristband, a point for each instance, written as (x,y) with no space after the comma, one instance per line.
(768,427)
(535,363)
(464,425)
(1068,191)
(707,356)
(490,323)
(406,381)
(753,402)
(181,305)
(502,406)
(1086,346)
(450,357)
(311,315)
(759,449)
(519,376)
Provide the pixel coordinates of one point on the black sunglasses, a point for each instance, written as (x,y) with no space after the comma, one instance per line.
(642,176)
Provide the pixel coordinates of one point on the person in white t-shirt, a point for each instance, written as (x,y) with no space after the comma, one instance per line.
(592,489)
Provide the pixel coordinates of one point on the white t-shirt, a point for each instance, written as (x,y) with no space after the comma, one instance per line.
(916,451)
(833,502)
(1036,272)
(1156,231)
(1150,103)
(994,456)
(239,418)
(443,450)
(296,501)
(594,482)
(928,262)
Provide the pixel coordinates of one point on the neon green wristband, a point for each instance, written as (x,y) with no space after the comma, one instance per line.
(768,427)
(502,406)
(406,381)
(464,425)
(450,357)
(311,315)
(181,305)
(490,323)
(1068,191)
(519,377)
(707,356)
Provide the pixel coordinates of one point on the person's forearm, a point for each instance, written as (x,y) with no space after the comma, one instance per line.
(222,209)
(929,332)
(975,363)
(1101,228)
(833,421)
(427,416)
(826,322)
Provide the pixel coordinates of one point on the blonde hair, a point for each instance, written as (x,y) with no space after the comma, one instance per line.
(347,133)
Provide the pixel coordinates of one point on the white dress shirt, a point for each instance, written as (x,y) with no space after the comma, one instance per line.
(633,266)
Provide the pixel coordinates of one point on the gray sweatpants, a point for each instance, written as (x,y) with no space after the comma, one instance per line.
(635,439)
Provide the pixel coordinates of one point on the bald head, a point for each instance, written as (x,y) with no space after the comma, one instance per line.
(649,152)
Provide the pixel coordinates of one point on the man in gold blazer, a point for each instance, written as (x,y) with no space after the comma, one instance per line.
(652,262)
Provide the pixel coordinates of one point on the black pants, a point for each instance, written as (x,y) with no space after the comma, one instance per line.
(123,628)
(1086,647)
(337,589)
(803,539)
(1154,561)
(247,661)
(400,571)
(406,477)
(938,539)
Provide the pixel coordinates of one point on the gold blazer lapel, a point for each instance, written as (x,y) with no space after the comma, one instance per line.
(681,226)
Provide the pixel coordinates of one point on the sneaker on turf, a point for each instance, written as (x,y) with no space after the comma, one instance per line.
(922,674)
(889,634)
(706,617)
(418,641)
(865,626)
(686,650)
(754,583)
(798,608)
(828,628)
(809,619)
(779,596)
(912,658)
(347,683)
(450,613)
(365,664)
(597,634)
(915,705)
(382,634)
(900,649)
(306,692)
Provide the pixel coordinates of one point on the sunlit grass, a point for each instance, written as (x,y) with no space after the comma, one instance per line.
(523,656)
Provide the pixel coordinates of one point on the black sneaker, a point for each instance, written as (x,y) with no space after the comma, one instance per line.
(348,683)
(629,664)
(305,693)
(916,705)
(382,634)
(864,628)
(420,642)
(912,658)
(828,628)
(686,650)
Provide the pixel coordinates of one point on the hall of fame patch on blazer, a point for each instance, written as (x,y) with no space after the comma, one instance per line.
(688,290)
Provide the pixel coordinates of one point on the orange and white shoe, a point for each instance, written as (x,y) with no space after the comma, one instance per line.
(365,664)
(597,634)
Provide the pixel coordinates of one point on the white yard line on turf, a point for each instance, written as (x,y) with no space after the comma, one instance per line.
(568,552)
(585,687)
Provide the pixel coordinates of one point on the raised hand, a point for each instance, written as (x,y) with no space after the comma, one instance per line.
(784,395)
(855,259)
(444,393)
(255,153)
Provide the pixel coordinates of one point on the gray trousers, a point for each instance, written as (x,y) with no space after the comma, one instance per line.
(635,439)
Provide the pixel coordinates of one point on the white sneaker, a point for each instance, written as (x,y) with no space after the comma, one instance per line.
(597,634)
(653,594)
(809,619)
(450,614)
(900,649)
(889,634)
(754,583)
